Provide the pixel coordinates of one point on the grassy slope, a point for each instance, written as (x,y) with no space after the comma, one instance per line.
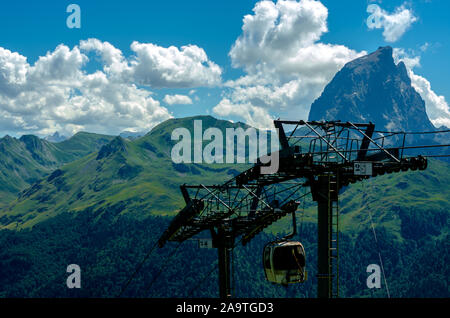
(136,177)
(388,196)
(83,143)
(26,160)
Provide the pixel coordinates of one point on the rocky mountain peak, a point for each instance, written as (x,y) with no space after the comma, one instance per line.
(373,89)
(56,137)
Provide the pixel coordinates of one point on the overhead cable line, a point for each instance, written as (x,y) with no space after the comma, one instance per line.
(166,263)
(138,268)
(377,244)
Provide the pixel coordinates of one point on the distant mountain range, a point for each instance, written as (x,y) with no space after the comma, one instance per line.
(57,137)
(115,173)
(131,135)
(26,160)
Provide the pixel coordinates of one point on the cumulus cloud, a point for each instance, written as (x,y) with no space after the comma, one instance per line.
(436,106)
(278,30)
(114,63)
(286,66)
(170,67)
(157,66)
(13,71)
(177,99)
(411,61)
(394,24)
(58,94)
(252,115)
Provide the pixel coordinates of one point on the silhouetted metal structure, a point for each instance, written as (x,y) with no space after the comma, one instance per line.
(322,155)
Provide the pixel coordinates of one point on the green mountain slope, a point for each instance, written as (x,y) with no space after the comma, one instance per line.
(396,200)
(83,143)
(135,177)
(25,160)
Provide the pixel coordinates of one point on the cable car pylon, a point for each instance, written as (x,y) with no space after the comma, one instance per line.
(322,155)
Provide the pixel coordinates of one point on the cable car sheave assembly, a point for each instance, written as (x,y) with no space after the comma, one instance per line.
(335,154)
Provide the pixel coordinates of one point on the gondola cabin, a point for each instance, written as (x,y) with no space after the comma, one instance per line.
(284,262)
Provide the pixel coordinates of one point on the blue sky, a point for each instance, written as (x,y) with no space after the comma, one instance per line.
(246,89)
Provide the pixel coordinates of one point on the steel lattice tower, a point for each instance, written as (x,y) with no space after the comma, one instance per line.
(322,155)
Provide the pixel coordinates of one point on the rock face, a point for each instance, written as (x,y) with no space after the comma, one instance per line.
(373,89)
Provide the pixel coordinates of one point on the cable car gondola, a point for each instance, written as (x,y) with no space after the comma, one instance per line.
(284,261)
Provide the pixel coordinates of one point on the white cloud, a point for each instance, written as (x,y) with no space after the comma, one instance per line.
(436,106)
(112,58)
(278,30)
(394,25)
(14,67)
(286,67)
(252,115)
(410,61)
(177,99)
(156,66)
(61,65)
(57,93)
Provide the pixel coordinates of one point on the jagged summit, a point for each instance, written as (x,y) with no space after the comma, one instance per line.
(374,89)
(56,137)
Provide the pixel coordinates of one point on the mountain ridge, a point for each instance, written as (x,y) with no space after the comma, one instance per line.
(29,158)
(122,174)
